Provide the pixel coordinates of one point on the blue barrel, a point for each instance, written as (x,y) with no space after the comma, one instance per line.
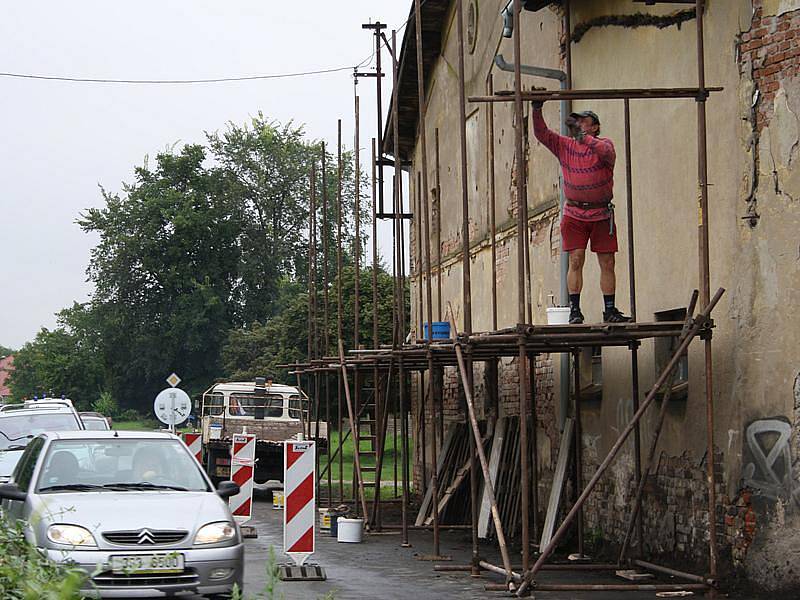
(441,330)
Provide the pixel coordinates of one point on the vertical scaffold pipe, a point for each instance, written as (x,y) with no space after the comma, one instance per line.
(705,284)
(521,280)
(466,278)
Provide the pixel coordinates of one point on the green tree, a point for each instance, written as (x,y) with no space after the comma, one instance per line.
(267,167)
(259,349)
(63,361)
(5,351)
(164,273)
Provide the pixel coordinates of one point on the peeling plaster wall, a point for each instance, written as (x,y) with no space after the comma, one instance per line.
(751,49)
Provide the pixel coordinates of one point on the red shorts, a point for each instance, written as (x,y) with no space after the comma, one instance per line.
(575,235)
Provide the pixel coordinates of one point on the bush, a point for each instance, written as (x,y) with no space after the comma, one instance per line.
(107,405)
(27,575)
(128,414)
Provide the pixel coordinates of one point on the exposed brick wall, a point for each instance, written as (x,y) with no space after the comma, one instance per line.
(674,508)
(502,259)
(770,52)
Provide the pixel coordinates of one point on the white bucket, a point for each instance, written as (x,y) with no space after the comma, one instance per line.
(558,315)
(215,431)
(350,530)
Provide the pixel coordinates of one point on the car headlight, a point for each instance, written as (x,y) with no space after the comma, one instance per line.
(70,535)
(214,533)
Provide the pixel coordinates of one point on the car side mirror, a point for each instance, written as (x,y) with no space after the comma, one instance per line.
(226,489)
(10,491)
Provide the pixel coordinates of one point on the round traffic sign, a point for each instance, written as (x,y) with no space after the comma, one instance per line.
(172,406)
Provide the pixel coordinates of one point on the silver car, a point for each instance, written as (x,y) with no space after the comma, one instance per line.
(20,422)
(134,510)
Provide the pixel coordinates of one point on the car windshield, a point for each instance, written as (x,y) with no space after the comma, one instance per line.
(116,464)
(17,430)
(9,460)
(95,423)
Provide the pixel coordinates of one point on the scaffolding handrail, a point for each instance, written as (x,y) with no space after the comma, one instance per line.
(601,94)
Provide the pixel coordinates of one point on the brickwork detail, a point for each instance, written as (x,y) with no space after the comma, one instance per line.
(675,508)
(770,51)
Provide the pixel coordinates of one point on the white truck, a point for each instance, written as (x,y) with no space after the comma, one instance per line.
(273,412)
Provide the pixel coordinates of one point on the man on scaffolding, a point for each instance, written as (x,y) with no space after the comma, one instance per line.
(587,162)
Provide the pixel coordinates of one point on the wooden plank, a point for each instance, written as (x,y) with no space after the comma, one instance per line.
(485,515)
(558,483)
(443,454)
(452,488)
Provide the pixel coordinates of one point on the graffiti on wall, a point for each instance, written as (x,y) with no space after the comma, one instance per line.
(769,469)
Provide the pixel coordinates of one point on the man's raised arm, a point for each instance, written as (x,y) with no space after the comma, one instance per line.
(553,141)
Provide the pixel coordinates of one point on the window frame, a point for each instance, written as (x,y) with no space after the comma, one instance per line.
(663,348)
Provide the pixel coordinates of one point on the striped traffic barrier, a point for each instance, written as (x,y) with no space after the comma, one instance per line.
(194,441)
(300,500)
(243,462)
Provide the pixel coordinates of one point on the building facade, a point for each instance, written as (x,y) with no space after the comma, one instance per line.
(752,51)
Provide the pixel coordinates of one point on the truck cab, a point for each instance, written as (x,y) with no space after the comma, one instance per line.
(272,412)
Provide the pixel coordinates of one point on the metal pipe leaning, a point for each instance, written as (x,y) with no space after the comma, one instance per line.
(697,325)
(501,538)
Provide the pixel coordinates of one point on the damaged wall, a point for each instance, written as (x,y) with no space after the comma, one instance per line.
(753,51)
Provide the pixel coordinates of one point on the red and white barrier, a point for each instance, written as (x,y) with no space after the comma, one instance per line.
(243,462)
(194,441)
(299,512)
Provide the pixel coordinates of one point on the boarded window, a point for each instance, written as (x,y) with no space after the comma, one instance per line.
(664,349)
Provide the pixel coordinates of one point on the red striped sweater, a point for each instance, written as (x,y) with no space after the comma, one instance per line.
(588,169)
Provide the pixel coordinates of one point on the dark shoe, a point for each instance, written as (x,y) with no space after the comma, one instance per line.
(575,316)
(614,316)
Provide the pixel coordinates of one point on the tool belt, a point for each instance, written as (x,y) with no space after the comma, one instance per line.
(608,205)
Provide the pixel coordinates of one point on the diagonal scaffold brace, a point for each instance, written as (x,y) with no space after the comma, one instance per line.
(476,433)
(637,503)
(701,322)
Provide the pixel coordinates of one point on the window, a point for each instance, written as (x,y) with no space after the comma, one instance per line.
(213,404)
(665,348)
(274,406)
(120,464)
(591,364)
(18,429)
(295,407)
(24,471)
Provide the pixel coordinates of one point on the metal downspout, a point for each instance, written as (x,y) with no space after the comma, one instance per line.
(561,77)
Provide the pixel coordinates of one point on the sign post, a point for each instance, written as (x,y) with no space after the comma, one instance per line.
(172,405)
(243,462)
(299,512)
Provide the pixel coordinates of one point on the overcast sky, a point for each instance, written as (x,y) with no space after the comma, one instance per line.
(60,140)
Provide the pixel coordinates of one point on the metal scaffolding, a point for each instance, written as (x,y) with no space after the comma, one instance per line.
(377,382)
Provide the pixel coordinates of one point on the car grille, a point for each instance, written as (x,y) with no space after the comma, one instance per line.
(108,579)
(144,537)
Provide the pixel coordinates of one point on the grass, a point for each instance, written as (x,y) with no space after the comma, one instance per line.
(143,426)
(367,460)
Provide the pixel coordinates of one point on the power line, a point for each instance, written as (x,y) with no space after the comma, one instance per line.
(70,79)
(180,81)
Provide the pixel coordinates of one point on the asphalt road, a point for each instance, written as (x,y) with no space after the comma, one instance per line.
(380,568)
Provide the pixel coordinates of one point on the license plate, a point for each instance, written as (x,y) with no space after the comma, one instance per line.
(133,564)
(222,471)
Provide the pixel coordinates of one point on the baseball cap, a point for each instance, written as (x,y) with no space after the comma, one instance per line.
(587,113)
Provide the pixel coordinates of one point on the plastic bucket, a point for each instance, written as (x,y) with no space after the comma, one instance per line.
(277,499)
(440,329)
(350,530)
(558,315)
(324,520)
(215,431)
(333,517)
